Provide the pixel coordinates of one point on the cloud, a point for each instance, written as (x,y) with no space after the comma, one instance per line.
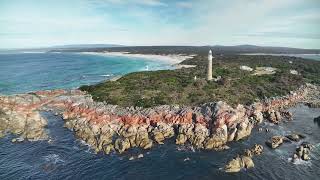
(295,35)
(132,2)
(184,4)
(159,22)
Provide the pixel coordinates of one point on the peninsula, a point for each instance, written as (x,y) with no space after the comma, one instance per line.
(204,107)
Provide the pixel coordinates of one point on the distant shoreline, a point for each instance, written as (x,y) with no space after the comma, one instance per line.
(280,54)
(314,57)
(172,59)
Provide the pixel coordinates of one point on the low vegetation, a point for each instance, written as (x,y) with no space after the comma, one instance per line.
(147,89)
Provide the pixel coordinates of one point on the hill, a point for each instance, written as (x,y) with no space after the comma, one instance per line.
(201,50)
(147,89)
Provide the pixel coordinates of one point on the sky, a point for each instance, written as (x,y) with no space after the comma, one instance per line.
(40,23)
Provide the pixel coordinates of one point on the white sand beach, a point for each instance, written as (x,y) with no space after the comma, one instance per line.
(172,59)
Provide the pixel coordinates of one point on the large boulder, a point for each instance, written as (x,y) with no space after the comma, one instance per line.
(211,143)
(232,134)
(235,165)
(220,134)
(132,140)
(275,142)
(186,129)
(166,129)
(218,138)
(121,145)
(127,131)
(302,152)
(108,148)
(103,140)
(247,162)
(181,139)
(271,116)
(158,137)
(238,163)
(146,143)
(244,129)
(200,134)
(257,149)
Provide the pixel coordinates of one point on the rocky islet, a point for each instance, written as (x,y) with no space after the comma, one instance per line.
(244,161)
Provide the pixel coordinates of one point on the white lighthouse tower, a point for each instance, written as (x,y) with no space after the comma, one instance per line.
(209,72)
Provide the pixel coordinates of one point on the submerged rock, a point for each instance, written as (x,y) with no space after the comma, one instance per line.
(295,137)
(317,120)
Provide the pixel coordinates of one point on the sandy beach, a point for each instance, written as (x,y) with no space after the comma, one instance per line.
(172,59)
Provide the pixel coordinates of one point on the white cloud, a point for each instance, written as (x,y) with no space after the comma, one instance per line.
(136,2)
(184,4)
(161,22)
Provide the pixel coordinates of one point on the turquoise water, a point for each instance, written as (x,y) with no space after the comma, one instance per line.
(24,72)
(308,56)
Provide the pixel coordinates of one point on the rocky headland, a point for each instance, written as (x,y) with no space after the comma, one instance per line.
(107,128)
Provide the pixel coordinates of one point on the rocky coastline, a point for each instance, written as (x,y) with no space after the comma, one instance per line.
(107,128)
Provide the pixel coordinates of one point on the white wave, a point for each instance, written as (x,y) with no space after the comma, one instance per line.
(106,75)
(36,52)
(53,158)
(82,142)
(187,159)
(89,150)
(268,124)
(186,148)
(300,162)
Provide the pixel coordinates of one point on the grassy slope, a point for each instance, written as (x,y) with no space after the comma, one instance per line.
(147,89)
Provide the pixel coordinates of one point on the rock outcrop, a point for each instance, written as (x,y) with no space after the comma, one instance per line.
(109,128)
(302,152)
(275,142)
(295,137)
(243,161)
(18,115)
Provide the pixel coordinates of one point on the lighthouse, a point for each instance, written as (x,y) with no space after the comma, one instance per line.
(209,71)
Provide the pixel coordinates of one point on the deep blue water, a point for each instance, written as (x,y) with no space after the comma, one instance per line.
(65,157)
(25,72)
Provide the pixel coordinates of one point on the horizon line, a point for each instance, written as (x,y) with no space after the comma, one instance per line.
(121,45)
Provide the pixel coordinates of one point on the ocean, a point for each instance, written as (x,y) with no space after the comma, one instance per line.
(65,157)
(24,72)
